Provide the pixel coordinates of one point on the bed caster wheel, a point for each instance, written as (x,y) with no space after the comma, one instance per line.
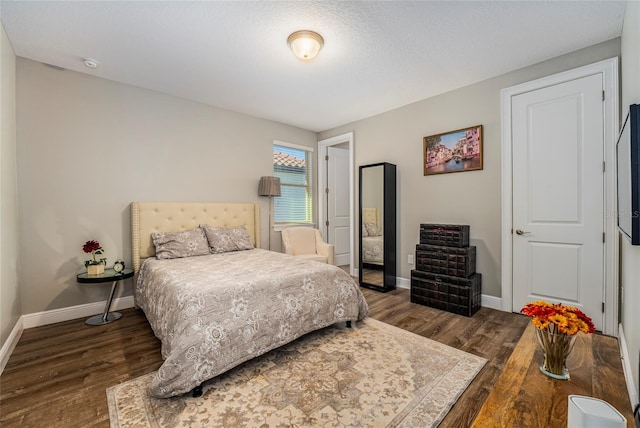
(197,391)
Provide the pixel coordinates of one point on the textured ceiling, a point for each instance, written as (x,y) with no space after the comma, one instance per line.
(377,55)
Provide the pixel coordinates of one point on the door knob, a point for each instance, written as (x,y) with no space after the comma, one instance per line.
(520,232)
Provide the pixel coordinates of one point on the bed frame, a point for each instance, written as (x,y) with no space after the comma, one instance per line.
(149,217)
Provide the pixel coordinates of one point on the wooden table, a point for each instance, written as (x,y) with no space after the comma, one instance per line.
(524,397)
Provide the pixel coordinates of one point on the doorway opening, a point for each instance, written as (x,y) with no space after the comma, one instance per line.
(336,205)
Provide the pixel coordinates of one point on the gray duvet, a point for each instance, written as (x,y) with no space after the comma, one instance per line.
(214,312)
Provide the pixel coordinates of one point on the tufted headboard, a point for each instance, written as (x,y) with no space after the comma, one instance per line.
(371,215)
(149,217)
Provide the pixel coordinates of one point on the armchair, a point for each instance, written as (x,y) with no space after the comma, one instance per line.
(308,243)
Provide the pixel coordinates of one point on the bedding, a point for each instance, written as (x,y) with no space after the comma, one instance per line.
(224,239)
(216,311)
(372,242)
(372,229)
(186,243)
(373,250)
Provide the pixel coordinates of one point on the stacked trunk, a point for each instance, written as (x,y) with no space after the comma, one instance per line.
(445,276)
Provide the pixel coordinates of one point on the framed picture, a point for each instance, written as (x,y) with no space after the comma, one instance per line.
(454,151)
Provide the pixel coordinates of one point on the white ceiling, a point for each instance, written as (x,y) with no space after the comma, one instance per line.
(377,55)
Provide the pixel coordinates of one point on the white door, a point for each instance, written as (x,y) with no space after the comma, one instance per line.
(558,196)
(338,216)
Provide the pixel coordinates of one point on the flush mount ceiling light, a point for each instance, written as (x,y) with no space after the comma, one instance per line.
(305,44)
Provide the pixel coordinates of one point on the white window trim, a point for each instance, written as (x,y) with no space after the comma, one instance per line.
(293,146)
(277,227)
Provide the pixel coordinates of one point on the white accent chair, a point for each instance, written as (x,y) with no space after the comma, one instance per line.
(308,243)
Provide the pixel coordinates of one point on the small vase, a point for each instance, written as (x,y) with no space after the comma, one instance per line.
(556,348)
(95,269)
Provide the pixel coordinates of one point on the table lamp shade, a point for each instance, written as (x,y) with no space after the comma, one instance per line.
(269,186)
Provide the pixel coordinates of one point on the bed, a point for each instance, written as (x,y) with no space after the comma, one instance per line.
(372,241)
(214,311)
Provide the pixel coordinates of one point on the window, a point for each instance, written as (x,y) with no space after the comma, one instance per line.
(294,166)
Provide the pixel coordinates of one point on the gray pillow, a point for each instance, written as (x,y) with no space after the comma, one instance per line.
(175,245)
(372,229)
(225,239)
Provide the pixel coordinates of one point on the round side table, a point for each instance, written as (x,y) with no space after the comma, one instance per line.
(109,275)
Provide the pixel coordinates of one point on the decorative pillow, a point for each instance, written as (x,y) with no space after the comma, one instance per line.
(364,231)
(175,245)
(225,239)
(372,229)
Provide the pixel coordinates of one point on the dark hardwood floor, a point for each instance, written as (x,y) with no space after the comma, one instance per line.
(60,372)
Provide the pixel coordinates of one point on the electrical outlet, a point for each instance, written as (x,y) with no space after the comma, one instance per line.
(410,259)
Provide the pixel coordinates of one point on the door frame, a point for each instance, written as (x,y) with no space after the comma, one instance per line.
(322,184)
(609,71)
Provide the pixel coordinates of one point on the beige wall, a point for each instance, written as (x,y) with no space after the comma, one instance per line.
(90,146)
(10,296)
(630,255)
(472,197)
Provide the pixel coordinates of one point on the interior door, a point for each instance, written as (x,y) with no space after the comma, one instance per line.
(338,215)
(558,196)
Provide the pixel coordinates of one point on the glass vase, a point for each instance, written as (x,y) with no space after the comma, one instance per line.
(556,348)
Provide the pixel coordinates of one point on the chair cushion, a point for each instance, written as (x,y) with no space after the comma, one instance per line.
(303,240)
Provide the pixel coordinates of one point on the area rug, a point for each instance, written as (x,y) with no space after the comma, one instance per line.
(372,375)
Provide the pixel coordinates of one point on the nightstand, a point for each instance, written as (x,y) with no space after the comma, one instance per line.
(109,275)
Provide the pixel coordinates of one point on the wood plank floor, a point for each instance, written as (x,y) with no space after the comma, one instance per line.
(524,397)
(58,374)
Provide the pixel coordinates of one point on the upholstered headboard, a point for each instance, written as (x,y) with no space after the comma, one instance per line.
(149,217)
(371,215)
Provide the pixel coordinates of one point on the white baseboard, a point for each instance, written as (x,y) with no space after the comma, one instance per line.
(491,302)
(403,283)
(626,366)
(73,312)
(10,344)
(53,316)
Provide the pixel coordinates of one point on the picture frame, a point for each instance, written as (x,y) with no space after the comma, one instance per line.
(453,151)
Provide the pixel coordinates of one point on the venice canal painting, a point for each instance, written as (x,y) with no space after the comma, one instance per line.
(454,151)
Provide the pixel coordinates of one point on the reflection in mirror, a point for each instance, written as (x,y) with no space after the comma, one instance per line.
(377,238)
(372,225)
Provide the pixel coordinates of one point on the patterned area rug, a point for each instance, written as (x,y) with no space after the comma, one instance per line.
(373,375)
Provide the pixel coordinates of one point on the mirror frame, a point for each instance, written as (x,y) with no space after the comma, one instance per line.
(388,228)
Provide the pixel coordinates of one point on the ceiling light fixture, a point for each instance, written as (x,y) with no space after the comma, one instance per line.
(91,63)
(305,44)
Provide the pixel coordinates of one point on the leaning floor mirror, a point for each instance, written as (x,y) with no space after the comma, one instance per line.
(377,228)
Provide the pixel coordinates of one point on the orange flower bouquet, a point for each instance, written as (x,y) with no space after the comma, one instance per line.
(556,329)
